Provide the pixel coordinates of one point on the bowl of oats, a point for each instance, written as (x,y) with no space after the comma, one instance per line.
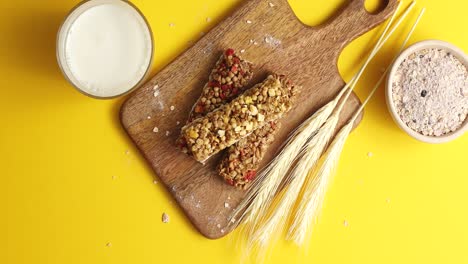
(427,91)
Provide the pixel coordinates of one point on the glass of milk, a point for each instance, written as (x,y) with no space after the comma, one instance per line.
(105,48)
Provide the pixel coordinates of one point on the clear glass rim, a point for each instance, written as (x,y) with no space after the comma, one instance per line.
(61,33)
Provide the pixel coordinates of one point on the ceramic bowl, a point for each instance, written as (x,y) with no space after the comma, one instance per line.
(428,44)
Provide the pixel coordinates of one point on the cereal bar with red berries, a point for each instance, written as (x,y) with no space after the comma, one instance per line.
(231,122)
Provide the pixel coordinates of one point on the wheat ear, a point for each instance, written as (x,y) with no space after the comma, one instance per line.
(316,186)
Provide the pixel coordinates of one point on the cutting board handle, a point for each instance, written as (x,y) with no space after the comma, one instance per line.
(353,20)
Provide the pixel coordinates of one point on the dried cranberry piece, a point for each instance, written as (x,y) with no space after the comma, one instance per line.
(230,182)
(229,52)
(250,175)
(213,84)
(199,108)
(225,87)
(234,69)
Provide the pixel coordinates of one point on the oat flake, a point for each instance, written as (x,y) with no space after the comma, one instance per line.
(165,218)
(430,92)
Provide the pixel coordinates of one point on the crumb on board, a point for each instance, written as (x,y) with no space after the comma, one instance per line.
(370,154)
(222,231)
(226,205)
(242,50)
(208,19)
(271,4)
(233,220)
(218,225)
(148,117)
(248,21)
(155,129)
(168,133)
(165,218)
(108,244)
(127,152)
(155,182)
(272,41)
(156,93)
(178,123)
(171,25)
(155,87)
(172,108)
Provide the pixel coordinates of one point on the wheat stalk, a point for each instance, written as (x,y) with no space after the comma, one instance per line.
(316,186)
(253,211)
(262,225)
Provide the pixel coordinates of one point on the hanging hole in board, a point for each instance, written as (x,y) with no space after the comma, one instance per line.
(375,6)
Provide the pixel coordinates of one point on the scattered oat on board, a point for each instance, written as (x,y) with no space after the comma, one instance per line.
(156,93)
(172,108)
(165,218)
(155,129)
(272,41)
(226,205)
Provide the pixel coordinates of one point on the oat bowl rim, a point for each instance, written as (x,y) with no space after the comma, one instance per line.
(426,44)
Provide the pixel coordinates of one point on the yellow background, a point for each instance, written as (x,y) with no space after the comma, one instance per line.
(60,150)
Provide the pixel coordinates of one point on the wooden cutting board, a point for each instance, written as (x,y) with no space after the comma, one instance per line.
(276,41)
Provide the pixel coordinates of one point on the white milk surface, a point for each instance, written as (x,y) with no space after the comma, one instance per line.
(108,49)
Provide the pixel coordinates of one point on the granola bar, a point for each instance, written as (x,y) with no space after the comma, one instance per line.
(265,102)
(239,166)
(227,80)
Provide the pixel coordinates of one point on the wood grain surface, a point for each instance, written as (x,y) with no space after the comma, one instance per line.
(276,41)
